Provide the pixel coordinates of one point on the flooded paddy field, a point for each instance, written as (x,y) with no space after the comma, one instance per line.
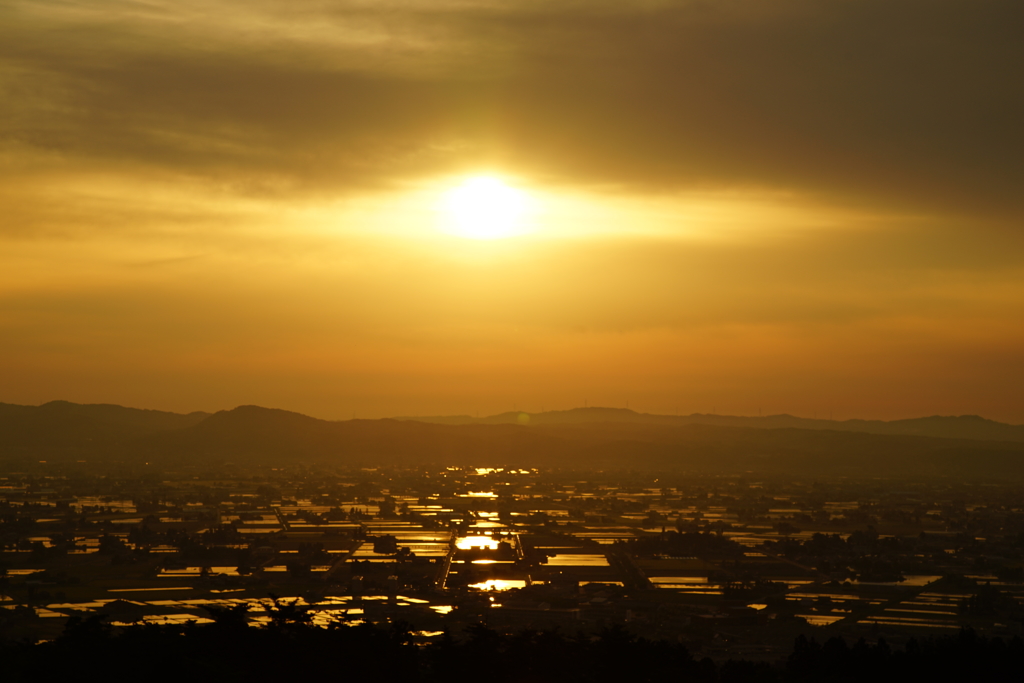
(753,559)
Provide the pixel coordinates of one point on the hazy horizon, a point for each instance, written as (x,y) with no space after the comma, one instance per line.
(484,416)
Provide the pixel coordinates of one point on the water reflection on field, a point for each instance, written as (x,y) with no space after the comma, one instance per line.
(681,580)
(821,619)
(715,553)
(498,584)
(198,571)
(467,542)
(577,560)
(323,611)
(914,580)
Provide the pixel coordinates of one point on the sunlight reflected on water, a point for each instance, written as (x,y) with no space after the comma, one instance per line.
(467,542)
(498,584)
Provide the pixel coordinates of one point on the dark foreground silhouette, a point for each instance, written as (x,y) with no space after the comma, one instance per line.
(291,648)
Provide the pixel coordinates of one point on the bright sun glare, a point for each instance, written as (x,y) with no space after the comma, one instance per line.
(485,208)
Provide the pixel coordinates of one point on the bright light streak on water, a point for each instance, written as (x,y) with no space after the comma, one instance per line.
(498,584)
(467,542)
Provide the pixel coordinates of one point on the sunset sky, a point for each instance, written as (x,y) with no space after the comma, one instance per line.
(385,207)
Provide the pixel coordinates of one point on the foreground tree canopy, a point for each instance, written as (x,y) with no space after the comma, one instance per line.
(291,648)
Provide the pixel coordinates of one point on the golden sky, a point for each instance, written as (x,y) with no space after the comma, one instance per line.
(802,206)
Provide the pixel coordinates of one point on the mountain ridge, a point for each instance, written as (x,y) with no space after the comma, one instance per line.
(594,438)
(952,426)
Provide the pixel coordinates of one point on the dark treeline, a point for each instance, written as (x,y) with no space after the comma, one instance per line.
(291,648)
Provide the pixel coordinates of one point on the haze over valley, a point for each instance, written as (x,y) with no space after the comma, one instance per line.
(585,437)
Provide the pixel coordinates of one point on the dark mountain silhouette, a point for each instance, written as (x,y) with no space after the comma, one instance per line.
(255,433)
(958,427)
(627,440)
(60,427)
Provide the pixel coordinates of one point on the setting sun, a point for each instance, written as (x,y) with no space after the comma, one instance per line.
(485,208)
(426,208)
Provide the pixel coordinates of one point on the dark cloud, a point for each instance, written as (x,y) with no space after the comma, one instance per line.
(913,104)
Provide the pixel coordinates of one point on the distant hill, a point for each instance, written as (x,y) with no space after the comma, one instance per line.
(60,427)
(956,427)
(254,433)
(593,438)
